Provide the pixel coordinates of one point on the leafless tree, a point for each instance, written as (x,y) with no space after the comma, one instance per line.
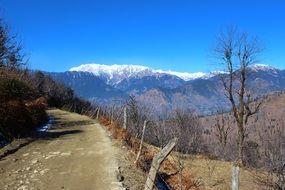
(158,133)
(273,155)
(188,130)
(137,115)
(236,51)
(222,128)
(118,114)
(11,57)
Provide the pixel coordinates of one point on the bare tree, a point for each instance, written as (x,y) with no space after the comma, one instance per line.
(237,51)
(222,128)
(137,115)
(188,130)
(10,50)
(273,155)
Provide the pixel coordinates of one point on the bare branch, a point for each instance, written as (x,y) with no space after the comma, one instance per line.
(237,51)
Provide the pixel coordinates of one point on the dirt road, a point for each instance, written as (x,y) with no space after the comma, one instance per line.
(76,153)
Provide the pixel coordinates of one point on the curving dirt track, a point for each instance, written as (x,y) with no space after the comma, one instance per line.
(76,153)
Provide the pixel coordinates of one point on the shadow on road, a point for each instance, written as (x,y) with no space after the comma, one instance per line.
(58,124)
(49,135)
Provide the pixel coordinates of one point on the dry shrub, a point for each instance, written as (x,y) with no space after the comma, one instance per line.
(20,113)
(12,88)
(15,119)
(104,121)
(119,133)
(19,119)
(188,181)
(169,171)
(37,111)
(122,134)
(169,167)
(145,160)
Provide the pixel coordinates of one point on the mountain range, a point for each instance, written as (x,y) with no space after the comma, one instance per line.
(160,90)
(116,73)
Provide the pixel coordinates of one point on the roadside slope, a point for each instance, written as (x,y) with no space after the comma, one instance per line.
(75,154)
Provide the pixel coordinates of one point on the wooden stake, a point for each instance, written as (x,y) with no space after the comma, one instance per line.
(156,162)
(141,144)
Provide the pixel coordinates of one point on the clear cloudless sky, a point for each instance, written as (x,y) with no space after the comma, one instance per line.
(162,34)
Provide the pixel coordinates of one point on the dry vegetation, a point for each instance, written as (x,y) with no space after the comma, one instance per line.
(169,169)
(199,172)
(207,164)
(264,143)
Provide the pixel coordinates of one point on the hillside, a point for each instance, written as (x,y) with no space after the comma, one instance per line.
(264,134)
(272,112)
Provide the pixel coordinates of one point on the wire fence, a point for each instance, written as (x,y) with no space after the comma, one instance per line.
(172,174)
(164,178)
(160,182)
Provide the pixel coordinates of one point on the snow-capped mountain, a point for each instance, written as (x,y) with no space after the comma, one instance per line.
(106,84)
(263,67)
(114,74)
(184,75)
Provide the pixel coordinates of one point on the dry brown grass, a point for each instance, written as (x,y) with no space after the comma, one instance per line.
(199,172)
(120,133)
(184,180)
(216,174)
(168,170)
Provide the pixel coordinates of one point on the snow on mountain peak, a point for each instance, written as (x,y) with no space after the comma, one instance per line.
(184,75)
(98,69)
(262,67)
(116,73)
(113,74)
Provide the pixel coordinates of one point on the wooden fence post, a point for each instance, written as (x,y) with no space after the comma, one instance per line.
(157,160)
(112,114)
(91,113)
(141,144)
(98,112)
(235,177)
(125,118)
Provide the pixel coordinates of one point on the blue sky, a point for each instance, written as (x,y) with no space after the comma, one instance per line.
(162,34)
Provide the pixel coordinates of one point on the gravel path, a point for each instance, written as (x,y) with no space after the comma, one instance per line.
(76,153)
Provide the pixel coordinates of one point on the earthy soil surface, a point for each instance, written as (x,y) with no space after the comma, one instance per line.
(76,153)
(134,178)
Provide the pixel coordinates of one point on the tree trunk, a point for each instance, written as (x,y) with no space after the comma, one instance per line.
(235,177)
(240,144)
(125,118)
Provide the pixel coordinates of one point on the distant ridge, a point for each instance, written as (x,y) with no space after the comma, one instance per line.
(114,74)
(160,90)
(120,72)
